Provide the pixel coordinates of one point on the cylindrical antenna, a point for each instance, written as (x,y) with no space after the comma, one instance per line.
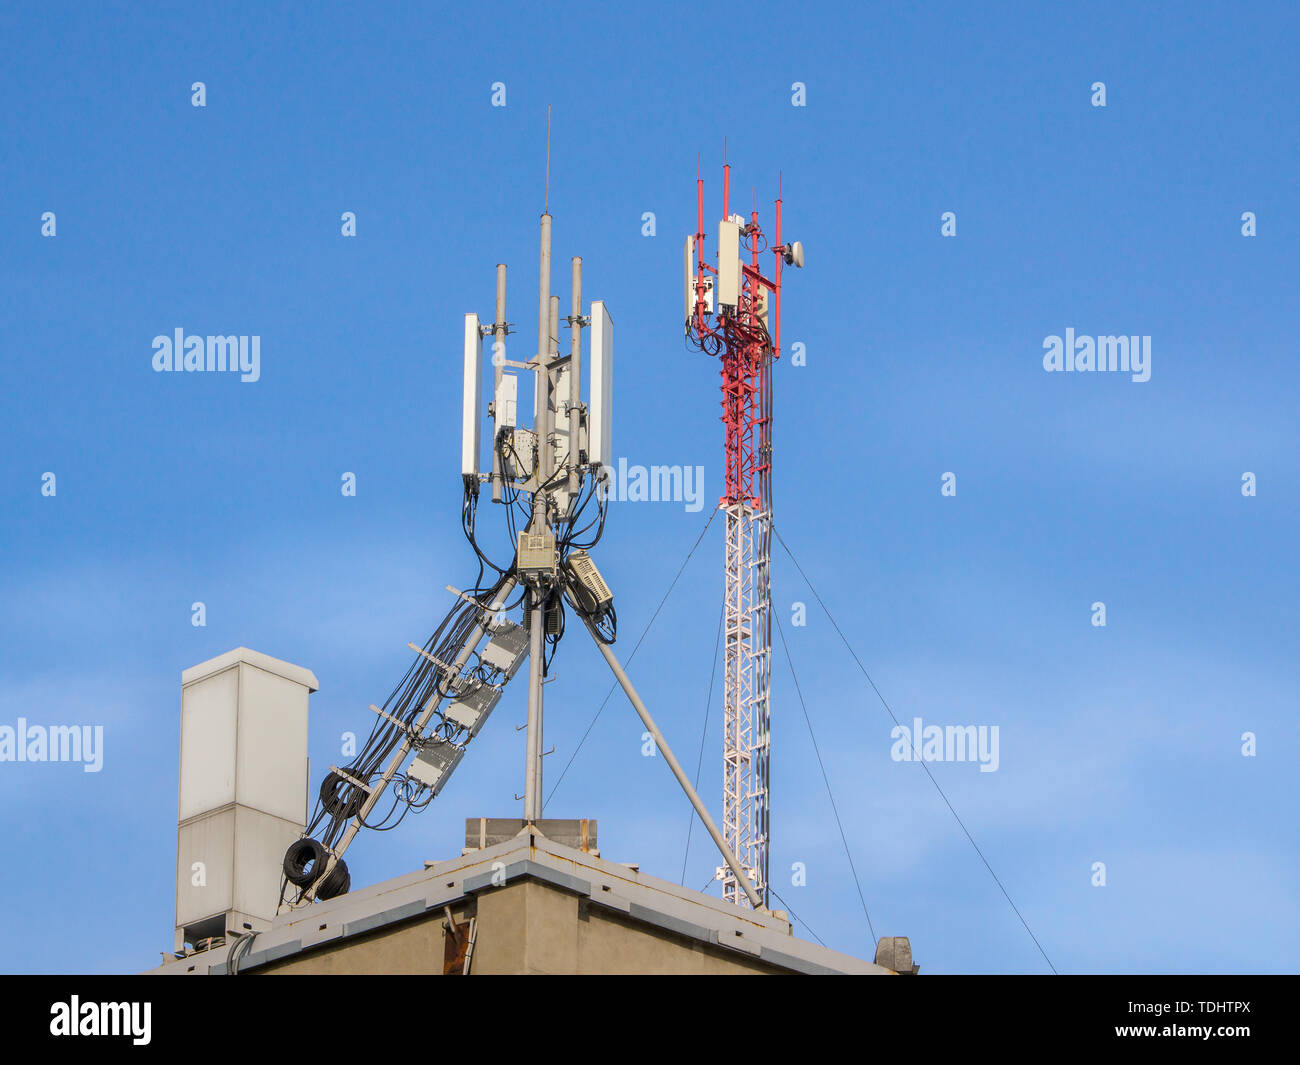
(776,280)
(575,379)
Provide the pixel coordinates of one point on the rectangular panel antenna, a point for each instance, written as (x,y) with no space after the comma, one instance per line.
(507,649)
(435,762)
(602,385)
(470,709)
(690,277)
(728,264)
(507,400)
(471,415)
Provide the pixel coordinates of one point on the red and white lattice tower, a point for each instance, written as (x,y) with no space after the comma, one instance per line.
(733,312)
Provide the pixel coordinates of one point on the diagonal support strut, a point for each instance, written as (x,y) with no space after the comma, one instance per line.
(662,744)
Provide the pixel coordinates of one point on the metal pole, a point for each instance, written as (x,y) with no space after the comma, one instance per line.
(575,378)
(542,398)
(537,633)
(539,524)
(536,652)
(498,337)
(666,751)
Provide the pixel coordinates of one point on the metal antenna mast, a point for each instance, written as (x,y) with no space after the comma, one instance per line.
(733,311)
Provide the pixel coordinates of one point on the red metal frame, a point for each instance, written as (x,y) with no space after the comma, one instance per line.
(744,347)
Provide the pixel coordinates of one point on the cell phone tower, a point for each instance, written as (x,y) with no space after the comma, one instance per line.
(733,312)
(550,480)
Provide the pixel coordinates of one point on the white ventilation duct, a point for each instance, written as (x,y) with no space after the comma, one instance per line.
(243,790)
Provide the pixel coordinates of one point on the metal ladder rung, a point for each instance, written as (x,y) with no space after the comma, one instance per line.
(425,654)
(351,779)
(389,717)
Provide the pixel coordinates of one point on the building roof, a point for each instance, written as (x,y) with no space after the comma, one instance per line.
(647,901)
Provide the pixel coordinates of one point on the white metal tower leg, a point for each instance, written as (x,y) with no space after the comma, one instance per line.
(761,675)
(744,801)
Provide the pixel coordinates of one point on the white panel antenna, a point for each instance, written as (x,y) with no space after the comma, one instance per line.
(602,386)
(728,264)
(435,762)
(471,421)
(507,402)
(690,277)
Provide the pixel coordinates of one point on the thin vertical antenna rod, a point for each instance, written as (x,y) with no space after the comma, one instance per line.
(541,403)
(776,273)
(575,378)
(540,520)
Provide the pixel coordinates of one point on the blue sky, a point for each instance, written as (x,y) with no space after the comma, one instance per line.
(1119,745)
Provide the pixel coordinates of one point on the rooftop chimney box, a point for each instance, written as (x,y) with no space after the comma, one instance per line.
(243,789)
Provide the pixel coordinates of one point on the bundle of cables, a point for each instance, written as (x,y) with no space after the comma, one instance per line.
(429,680)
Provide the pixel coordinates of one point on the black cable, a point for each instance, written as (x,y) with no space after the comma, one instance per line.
(699,765)
(426,682)
(834,808)
(239,951)
(790,911)
(919,760)
(642,637)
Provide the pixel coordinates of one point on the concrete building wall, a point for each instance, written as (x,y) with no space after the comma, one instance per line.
(413,948)
(525,927)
